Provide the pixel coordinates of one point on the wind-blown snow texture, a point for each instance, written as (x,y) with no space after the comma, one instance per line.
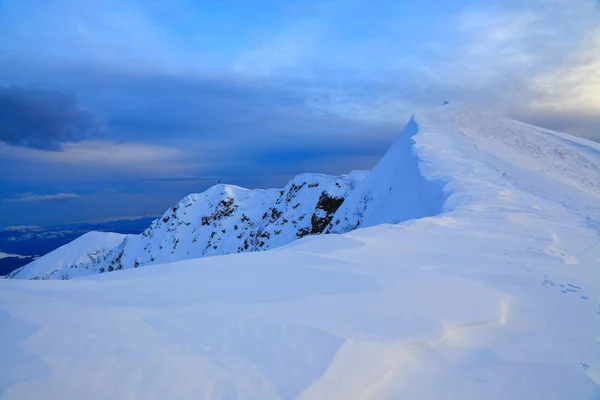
(497,296)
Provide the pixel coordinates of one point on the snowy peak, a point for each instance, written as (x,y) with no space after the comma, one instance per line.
(394,191)
(222,220)
(227,219)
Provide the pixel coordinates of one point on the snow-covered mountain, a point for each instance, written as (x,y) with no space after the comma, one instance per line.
(227,219)
(491,290)
(222,220)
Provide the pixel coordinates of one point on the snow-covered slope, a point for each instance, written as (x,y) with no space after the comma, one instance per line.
(222,220)
(495,297)
(55,264)
(395,191)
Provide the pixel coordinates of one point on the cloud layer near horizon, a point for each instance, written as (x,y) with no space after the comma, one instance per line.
(44,197)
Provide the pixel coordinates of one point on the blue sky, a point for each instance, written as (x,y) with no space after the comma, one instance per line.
(113,109)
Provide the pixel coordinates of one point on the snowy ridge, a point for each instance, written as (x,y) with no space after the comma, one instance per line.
(84,249)
(222,220)
(572,160)
(497,297)
(228,219)
(395,191)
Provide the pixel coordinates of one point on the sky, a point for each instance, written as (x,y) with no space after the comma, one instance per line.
(113,108)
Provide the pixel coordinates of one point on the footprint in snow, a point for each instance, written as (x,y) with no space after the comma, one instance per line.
(565,288)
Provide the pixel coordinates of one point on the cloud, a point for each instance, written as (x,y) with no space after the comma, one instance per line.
(102,159)
(186,132)
(530,58)
(508,54)
(102,32)
(89,207)
(574,87)
(381,63)
(34,197)
(537,60)
(284,51)
(42,119)
(121,219)
(23,228)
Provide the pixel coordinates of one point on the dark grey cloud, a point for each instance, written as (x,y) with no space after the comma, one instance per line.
(229,122)
(173,135)
(43,119)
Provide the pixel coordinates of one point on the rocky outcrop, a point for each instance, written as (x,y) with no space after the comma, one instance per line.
(222,220)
